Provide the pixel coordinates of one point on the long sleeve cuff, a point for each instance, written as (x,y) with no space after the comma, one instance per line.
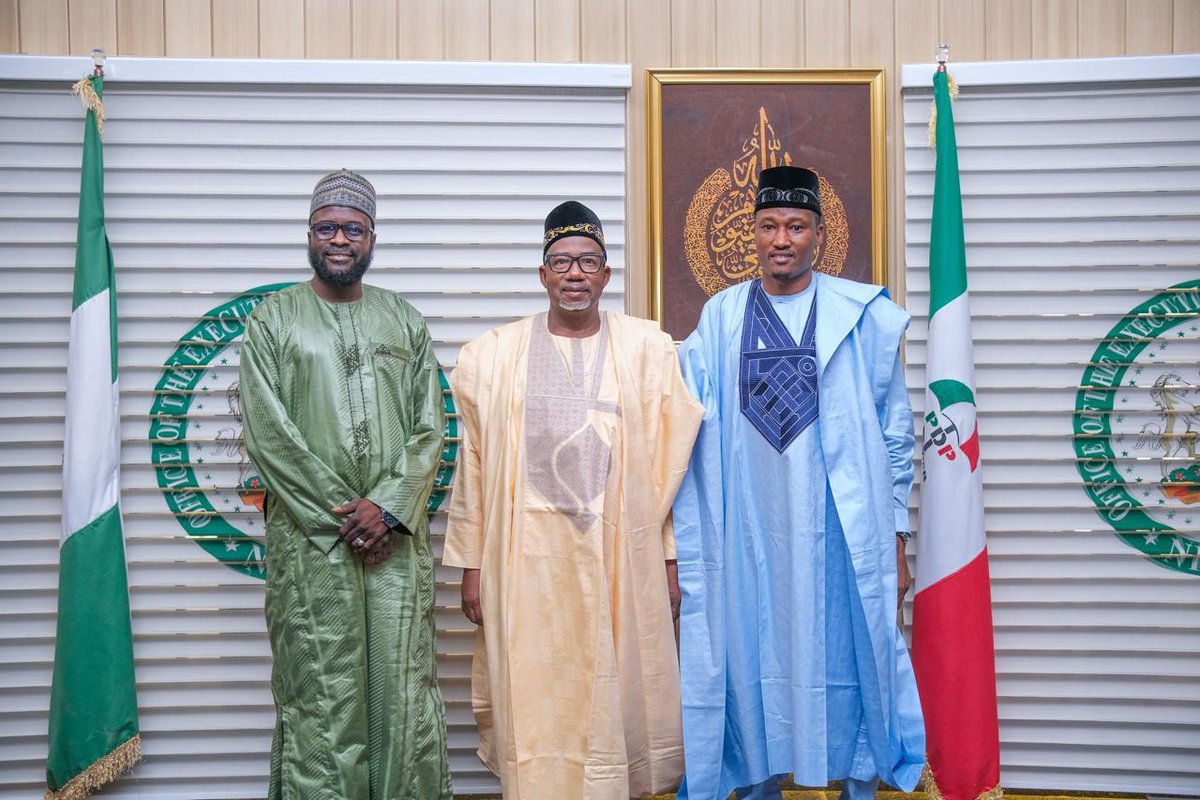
(464,546)
(404,502)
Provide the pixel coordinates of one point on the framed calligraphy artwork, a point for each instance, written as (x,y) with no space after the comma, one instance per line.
(712,131)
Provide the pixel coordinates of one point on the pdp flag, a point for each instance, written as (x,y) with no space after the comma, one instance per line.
(953,653)
(93,705)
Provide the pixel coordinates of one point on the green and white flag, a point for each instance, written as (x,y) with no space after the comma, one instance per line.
(94,734)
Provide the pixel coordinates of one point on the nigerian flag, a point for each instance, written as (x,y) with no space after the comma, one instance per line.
(93,705)
(953,654)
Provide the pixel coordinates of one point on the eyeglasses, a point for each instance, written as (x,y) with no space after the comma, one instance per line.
(588,262)
(355,231)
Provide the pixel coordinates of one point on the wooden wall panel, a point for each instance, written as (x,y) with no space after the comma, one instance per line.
(872,44)
(649,35)
(961,27)
(602,31)
(1102,28)
(693,33)
(140,30)
(43,27)
(187,28)
(556,30)
(1008,31)
(737,27)
(234,29)
(813,33)
(373,32)
(327,29)
(649,25)
(1055,28)
(826,34)
(916,33)
(513,24)
(872,36)
(1185,26)
(10,37)
(741,32)
(468,30)
(93,23)
(1148,27)
(421,30)
(781,33)
(281,28)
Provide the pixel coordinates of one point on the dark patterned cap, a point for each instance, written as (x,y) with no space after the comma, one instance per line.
(344,188)
(788,187)
(572,219)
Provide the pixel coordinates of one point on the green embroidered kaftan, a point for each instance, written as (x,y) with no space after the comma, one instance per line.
(341,400)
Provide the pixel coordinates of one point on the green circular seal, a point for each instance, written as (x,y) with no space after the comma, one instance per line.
(1137,425)
(196,443)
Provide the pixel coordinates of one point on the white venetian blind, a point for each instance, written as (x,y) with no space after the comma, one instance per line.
(209,167)
(1081,197)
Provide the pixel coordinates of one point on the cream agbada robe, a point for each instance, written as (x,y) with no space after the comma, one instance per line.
(576,678)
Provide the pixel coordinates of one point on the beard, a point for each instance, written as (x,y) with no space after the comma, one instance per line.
(801,263)
(347,277)
(581,305)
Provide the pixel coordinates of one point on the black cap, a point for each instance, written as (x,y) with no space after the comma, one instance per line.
(788,187)
(572,219)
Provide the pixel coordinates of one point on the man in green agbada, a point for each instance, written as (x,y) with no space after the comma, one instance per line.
(343,419)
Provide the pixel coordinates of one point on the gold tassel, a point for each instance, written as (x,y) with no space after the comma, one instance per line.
(994,793)
(84,91)
(105,770)
(952,85)
(927,782)
(932,792)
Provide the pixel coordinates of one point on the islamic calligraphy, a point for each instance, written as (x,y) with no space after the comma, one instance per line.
(718,232)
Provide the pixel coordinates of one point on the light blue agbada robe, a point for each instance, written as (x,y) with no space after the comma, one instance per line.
(790,655)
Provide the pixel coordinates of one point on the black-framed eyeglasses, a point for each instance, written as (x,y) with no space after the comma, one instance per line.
(590,263)
(355,231)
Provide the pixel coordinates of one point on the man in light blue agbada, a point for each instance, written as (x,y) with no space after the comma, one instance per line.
(791,524)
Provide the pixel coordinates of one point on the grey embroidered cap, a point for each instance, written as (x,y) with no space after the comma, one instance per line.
(344,188)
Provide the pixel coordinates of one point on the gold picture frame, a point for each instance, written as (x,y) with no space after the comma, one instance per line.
(709,133)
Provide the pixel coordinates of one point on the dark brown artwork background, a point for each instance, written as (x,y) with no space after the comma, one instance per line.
(714,143)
